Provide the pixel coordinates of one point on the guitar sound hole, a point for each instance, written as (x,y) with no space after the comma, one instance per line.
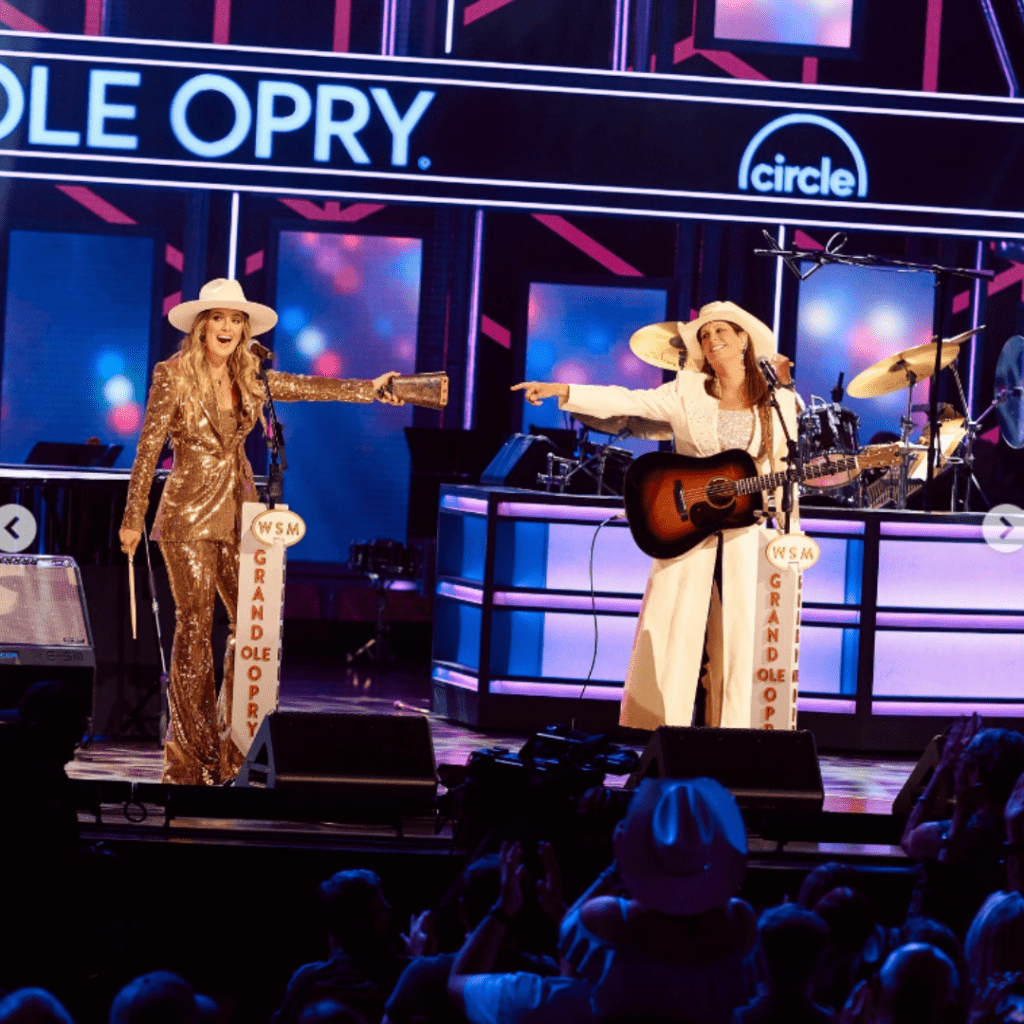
(720,492)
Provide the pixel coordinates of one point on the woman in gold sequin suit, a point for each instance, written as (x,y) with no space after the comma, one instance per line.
(207,398)
(717,401)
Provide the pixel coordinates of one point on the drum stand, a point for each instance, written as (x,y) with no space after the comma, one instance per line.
(906,429)
(965,464)
(561,470)
(376,648)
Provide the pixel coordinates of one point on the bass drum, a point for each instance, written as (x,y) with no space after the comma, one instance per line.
(826,428)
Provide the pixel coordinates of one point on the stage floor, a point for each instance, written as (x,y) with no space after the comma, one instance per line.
(858,785)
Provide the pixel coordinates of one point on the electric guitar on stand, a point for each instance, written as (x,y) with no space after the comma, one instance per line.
(674,501)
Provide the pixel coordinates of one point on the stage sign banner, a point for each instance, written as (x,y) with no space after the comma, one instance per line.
(377,129)
(776,638)
(257,629)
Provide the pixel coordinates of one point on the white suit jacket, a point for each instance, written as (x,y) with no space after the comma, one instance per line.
(688,409)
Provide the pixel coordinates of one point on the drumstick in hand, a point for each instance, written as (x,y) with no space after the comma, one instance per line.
(131,592)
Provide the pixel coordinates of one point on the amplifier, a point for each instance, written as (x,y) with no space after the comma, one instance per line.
(44,626)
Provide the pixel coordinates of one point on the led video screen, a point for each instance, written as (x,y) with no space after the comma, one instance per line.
(810,24)
(579,334)
(847,319)
(349,308)
(78,316)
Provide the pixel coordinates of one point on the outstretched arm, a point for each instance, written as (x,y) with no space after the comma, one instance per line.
(297,387)
(659,404)
(537,391)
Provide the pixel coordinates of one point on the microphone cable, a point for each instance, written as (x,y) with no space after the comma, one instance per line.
(593,612)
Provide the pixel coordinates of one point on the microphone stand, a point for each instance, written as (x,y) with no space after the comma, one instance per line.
(275,433)
(794,459)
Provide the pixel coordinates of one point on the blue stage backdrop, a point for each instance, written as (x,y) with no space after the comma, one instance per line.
(349,308)
(850,317)
(579,334)
(76,340)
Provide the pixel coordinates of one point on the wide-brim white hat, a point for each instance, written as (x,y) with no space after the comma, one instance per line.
(222,293)
(673,345)
(683,846)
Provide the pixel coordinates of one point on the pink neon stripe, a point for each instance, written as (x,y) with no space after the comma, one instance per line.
(992,436)
(13,18)
(221,21)
(254,262)
(682,50)
(93,18)
(588,245)
(728,62)
(92,202)
(342,25)
(332,210)
(494,331)
(733,65)
(804,241)
(175,257)
(932,38)
(1006,278)
(357,211)
(810,71)
(480,9)
(171,301)
(961,302)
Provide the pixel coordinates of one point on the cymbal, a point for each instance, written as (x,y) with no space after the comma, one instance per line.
(1009,378)
(894,372)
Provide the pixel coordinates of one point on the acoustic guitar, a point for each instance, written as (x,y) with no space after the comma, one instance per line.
(674,501)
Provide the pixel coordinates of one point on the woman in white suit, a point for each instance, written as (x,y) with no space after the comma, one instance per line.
(718,402)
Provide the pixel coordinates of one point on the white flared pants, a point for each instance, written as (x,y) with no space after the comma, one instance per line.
(664,667)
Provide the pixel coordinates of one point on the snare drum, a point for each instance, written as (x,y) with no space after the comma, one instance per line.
(828,429)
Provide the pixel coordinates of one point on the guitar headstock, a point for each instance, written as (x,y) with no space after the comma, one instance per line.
(877,456)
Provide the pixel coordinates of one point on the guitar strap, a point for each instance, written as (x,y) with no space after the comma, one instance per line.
(768,442)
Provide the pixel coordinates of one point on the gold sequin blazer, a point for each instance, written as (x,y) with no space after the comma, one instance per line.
(211,476)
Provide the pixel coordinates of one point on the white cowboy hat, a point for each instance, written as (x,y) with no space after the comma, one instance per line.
(683,847)
(222,293)
(673,345)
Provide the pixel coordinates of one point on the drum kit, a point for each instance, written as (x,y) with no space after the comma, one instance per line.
(830,428)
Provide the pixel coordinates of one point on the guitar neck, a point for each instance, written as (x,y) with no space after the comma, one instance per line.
(768,482)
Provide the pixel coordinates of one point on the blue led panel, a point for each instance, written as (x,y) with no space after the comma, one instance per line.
(349,308)
(848,318)
(76,340)
(579,334)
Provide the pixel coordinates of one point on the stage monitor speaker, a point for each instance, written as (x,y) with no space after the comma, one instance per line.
(44,627)
(762,768)
(126,695)
(918,781)
(521,458)
(383,760)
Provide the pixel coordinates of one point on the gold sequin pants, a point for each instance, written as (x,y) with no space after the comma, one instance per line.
(198,749)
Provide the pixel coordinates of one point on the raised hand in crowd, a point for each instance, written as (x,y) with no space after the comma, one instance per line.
(421,940)
(923,836)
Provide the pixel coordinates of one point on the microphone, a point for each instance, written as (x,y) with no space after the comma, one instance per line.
(259,351)
(769,373)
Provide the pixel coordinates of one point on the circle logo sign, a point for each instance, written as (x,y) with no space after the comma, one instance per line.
(1003,528)
(17,528)
(790,549)
(279,526)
